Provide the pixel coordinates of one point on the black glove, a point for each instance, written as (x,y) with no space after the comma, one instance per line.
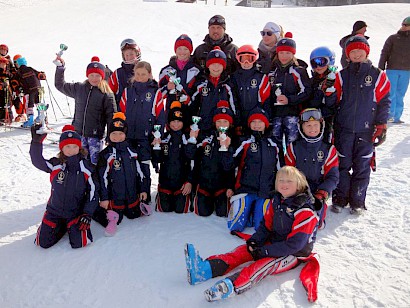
(251,246)
(318,204)
(259,253)
(84,222)
(37,138)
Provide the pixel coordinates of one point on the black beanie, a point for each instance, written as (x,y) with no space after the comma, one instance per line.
(175,112)
(118,123)
(358,25)
(217,20)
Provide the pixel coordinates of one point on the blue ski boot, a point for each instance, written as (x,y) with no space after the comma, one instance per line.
(198,270)
(29,122)
(220,290)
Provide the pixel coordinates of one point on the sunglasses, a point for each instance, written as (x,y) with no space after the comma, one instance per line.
(268,33)
(216,20)
(311,115)
(128,43)
(319,62)
(404,25)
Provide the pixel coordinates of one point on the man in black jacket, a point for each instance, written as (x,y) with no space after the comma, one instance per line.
(217,37)
(395,58)
(359,27)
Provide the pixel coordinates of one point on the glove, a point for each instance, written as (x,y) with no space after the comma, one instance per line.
(42,76)
(84,222)
(320,197)
(379,135)
(37,138)
(328,84)
(259,253)
(251,246)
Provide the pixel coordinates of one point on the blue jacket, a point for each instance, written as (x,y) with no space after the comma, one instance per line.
(93,109)
(289,226)
(121,175)
(251,89)
(205,99)
(325,102)
(294,84)
(318,161)
(175,167)
(74,184)
(363,97)
(143,107)
(120,79)
(257,161)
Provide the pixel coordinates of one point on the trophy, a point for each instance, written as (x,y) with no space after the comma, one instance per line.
(194,127)
(278,92)
(175,80)
(42,108)
(63,48)
(222,130)
(331,77)
(157,135)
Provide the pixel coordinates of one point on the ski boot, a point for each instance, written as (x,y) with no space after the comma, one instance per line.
(198,270)
(111,228)
(29,122)
(338,204)
(220,290)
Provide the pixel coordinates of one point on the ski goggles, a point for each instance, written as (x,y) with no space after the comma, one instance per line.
(268,33)
(244,58)
(128,43)
(319,62)
(216,20)
(310,114)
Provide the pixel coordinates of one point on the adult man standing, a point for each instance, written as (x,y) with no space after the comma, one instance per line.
(359,27)
(396,55)
(217,37)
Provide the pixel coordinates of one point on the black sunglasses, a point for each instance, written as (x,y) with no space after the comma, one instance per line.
(217,20)
(268,33)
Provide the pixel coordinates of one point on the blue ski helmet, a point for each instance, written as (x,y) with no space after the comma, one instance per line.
(321,53)
(21,61)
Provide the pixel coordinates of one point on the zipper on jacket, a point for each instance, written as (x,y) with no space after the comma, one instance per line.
(85,109)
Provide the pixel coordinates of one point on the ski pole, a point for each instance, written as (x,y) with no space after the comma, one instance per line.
(52,105)
(52,95)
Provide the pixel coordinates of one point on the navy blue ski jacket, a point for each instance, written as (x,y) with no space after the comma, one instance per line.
(120,79)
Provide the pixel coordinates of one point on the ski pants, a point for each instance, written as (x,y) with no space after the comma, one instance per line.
(246,210)
(399,82)
(251,274)
(208,201)
(53,228)
(93,147)
(168,200)
(284,128)
(355,152)
(131,210)
(143,148)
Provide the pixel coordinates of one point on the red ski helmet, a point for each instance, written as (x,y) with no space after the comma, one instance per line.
(247,50)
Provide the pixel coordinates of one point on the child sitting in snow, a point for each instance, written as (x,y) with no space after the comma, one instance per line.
(74,190)
(123,180)
(282,241)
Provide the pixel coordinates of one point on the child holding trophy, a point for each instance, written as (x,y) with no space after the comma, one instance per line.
(214,166)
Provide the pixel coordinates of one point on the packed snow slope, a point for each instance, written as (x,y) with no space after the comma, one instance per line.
(364,260)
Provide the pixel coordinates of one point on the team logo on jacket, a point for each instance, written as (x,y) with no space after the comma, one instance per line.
(116,164)
(166,149)
(148,96)
(254,83)
(207,150)
(60,177)
(254,147)
(205,91)
(320,156)
(368,80)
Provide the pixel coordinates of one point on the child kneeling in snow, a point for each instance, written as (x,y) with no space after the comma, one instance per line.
(73,199)
(123,180)
(283,240)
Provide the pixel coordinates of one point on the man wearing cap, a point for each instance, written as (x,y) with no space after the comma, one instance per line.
(217,37)
(359,27)
(395,58)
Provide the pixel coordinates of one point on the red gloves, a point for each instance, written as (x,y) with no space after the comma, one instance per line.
(321,194)
(379,135)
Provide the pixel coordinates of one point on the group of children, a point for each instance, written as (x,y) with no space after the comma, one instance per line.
(255,147)
(19,87)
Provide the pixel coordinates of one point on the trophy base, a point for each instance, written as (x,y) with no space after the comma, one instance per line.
(223,150)
(156,148)
(192,140)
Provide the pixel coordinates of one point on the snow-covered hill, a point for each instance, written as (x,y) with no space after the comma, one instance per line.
(364,260)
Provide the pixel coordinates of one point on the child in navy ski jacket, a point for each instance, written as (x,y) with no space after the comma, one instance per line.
(74,189)
(121,77)
(257,160)
(94,104)
(360,123)
(282,241)
(142,104)
(214,168)
(250,87)
(322,60)
(175,175)
(316,158)
(178,80)
(290,88)
(123,180)
(213,89)
(29,79)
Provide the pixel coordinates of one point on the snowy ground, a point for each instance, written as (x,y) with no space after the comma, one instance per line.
(364,260)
